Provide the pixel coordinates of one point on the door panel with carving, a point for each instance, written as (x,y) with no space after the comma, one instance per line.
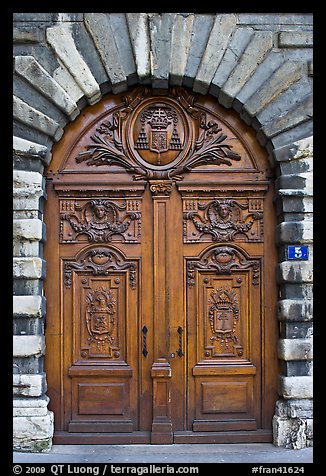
(161,291)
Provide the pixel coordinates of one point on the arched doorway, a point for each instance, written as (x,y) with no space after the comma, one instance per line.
(161,287)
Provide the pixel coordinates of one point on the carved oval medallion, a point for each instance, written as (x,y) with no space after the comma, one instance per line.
(159,133)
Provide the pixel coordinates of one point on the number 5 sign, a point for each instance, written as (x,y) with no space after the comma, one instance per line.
(297,252)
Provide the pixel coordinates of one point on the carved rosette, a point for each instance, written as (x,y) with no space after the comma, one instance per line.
(223,260)
(100,320)
(156,137)
(223,317)
(100,261)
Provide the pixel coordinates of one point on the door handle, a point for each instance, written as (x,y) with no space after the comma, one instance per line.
(179,351)
(144,351)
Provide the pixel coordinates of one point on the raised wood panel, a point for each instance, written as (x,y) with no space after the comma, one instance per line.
(224,397)
(101,399)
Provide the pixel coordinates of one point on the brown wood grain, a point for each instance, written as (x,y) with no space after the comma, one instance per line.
(157,252)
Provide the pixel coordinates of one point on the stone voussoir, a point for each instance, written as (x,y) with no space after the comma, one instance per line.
(216,46)
(26,148)
(288,73)
(99,27)
(181,39)
(62,42)
(40,79)
(256,51)
(35,119)
(140,40)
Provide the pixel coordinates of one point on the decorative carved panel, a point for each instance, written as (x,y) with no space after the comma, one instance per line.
(222,219)
(100,261)
(159,137)
(100,220)
(223,260)
(101,318)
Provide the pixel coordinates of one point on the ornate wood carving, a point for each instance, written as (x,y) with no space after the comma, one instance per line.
(223,260)
(169,132)
(100,320)
(223,317)
(100,261)
(160,188)
(223,219)
(100,220)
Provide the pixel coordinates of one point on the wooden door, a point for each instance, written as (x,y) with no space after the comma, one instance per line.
(161,322)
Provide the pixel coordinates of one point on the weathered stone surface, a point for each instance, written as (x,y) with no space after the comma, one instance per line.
(295,272)
(289,432)
(25,346)
(217,44)
(28,268)
(29,306)
(28,34)
(294,408)
(33,433)
(26,287)
(287,74)
(26,248)
(301,149)
(301,131)
(296,166)
(300,113)
(296,291)
(36,119)
(310,67)
(28,229)
(30,406)
(295,387)
(295,182)
(99,27)
(295,310)
(295,349)
(140,40)
(253,55)
(25,148)
(160,30)
(295,39)
(27,190)
(275,19)
(201,29)
(40,79)
(60,39)
(296,368)
(181,38)
(25,385)
(62,76)
(236,47)
(294,232)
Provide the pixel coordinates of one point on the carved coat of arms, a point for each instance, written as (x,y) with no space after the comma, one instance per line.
(100,311)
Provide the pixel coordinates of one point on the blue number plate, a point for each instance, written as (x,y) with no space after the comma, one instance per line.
(297,252)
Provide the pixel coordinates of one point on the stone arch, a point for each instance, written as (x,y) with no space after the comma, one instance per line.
(260,65)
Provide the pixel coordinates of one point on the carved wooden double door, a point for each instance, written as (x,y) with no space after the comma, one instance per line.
(160,275)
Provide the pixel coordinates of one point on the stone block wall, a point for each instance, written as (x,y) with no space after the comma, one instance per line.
(258,64)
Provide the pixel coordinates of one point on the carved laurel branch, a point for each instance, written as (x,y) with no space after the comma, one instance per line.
(99,261)
(208,149)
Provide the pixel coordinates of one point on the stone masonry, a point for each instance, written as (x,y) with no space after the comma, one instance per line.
(258,64)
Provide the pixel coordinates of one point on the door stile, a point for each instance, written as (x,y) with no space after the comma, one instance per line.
(161,369)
